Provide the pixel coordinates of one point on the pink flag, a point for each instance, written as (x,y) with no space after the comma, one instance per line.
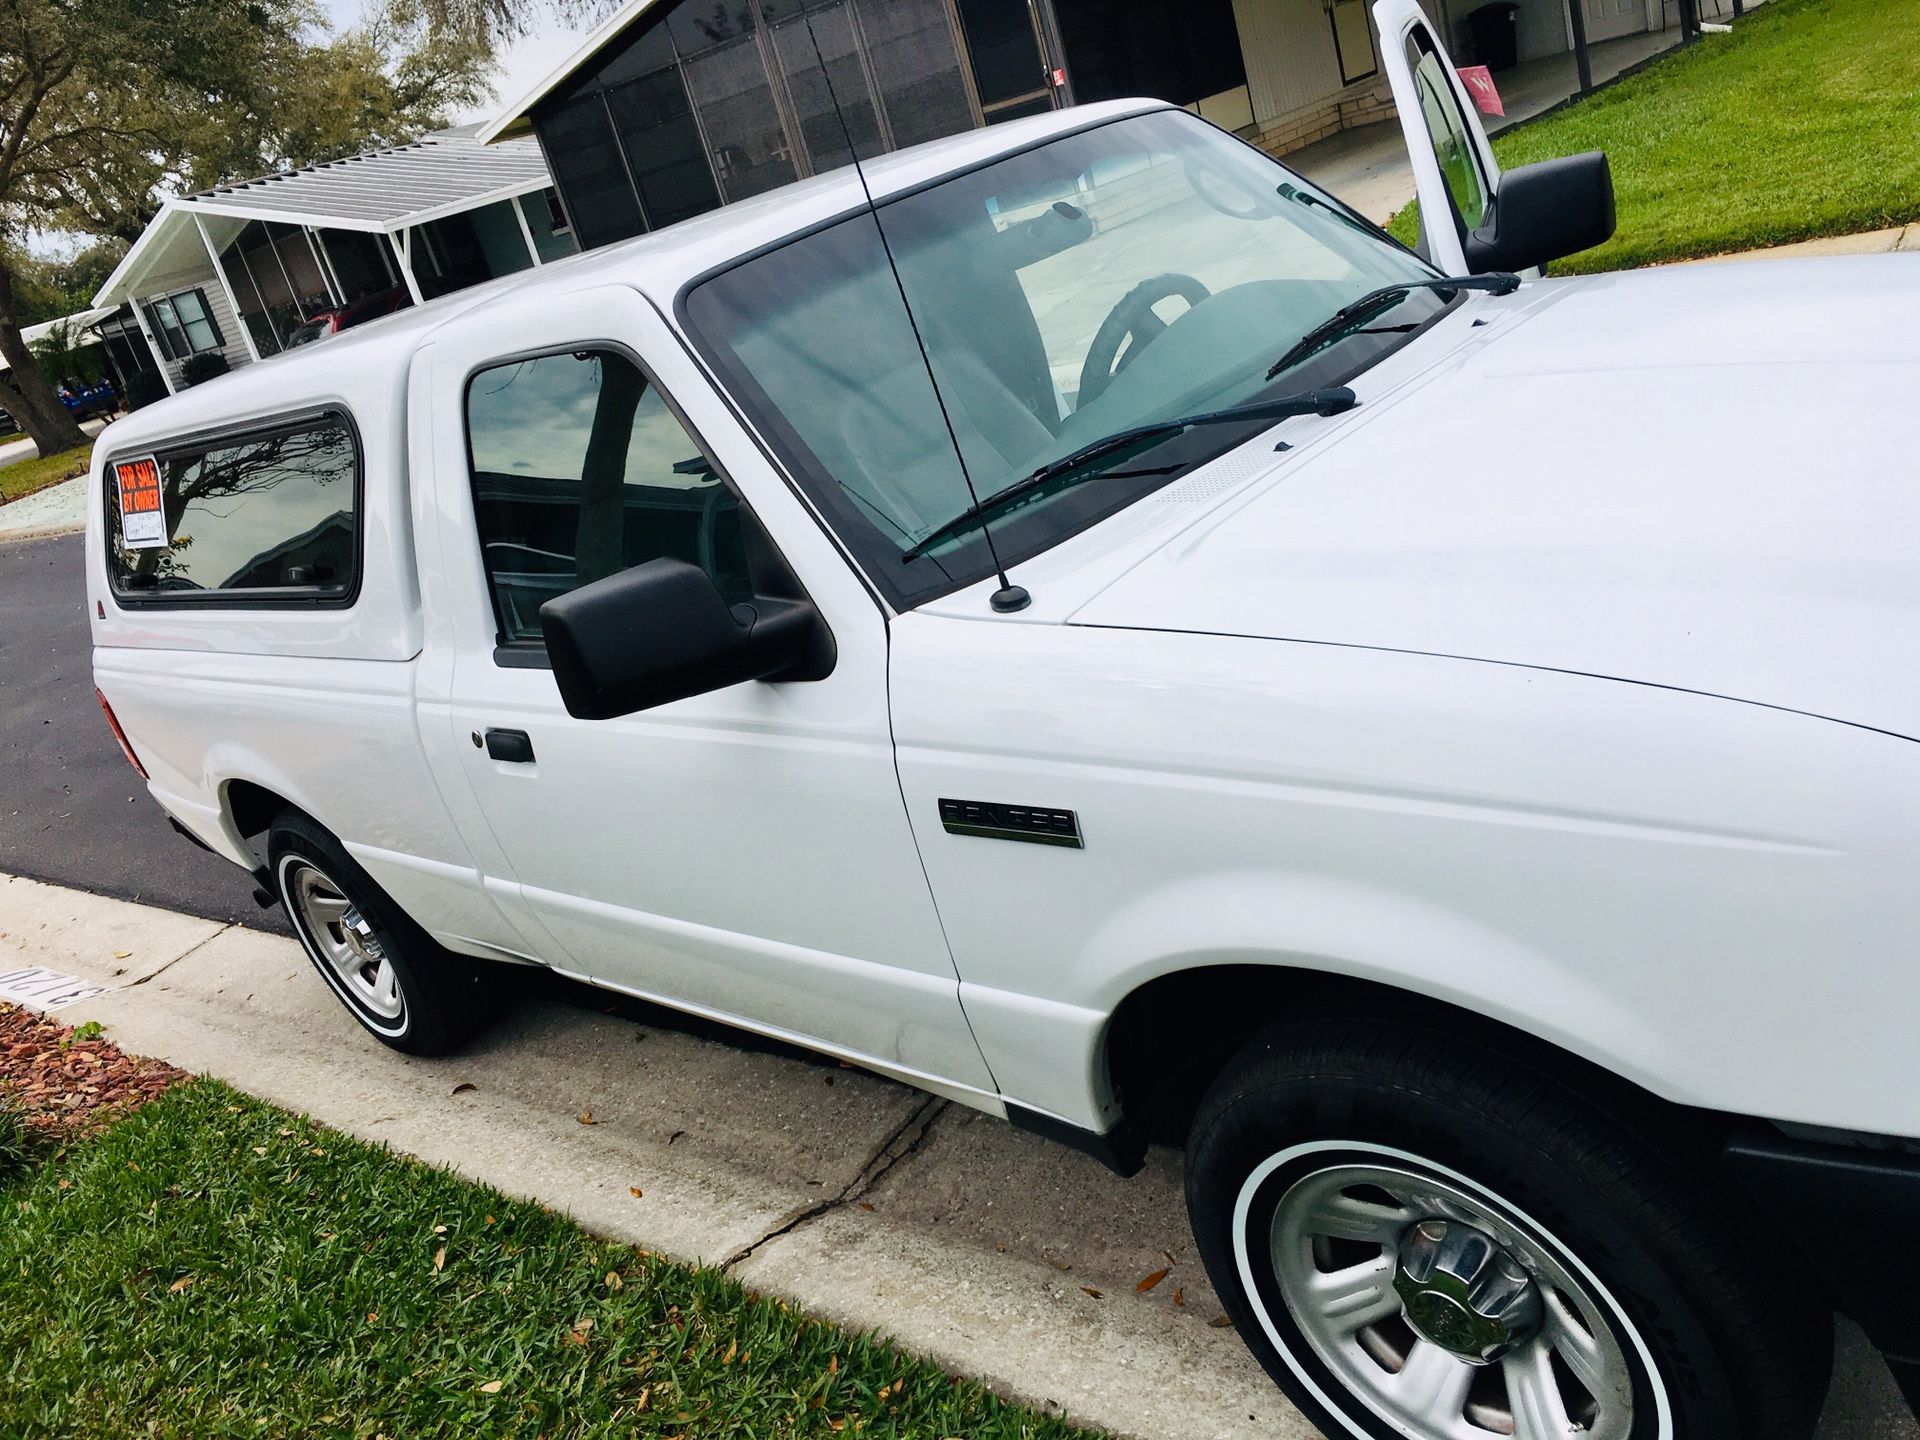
(1479,82)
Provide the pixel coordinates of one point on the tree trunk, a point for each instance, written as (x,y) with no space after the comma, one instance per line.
(24,392)
(600,534)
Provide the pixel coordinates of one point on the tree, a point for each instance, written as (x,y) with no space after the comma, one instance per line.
(64,352)
(493,21)
(106,106)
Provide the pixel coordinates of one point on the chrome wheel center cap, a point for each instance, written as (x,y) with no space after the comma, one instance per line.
(1463,1292)
(359,937)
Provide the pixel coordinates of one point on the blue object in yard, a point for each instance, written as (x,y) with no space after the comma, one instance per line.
(86,401)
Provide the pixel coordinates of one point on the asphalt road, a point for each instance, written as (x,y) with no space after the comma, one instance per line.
(71,810)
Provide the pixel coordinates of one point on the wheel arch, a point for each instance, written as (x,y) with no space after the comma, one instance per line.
(1170,1037)
(250,807)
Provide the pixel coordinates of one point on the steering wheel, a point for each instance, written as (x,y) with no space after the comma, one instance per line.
(1213,188)
(1134,317)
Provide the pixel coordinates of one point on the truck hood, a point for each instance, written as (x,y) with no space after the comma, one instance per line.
(1705,477)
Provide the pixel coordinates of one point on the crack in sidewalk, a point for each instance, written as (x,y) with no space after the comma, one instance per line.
(889,1153)
(190,950)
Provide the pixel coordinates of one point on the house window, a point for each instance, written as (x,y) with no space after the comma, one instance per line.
(184,324)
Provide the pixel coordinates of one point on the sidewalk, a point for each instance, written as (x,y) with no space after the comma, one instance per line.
(50,511)
(854,1198)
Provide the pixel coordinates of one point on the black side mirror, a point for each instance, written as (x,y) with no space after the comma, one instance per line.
(1545,212)
(662,632)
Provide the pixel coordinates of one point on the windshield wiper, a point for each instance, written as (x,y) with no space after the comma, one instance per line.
(1338,211)
(1283,407)
(1385,298)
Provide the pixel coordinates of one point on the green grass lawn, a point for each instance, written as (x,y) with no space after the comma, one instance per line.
(23,477)
(213,1266)
(1804,122)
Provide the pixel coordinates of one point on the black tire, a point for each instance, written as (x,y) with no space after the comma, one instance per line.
(1721,1324)
(438,992)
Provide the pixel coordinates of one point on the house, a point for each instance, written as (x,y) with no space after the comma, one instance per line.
(671,107)
(241,269)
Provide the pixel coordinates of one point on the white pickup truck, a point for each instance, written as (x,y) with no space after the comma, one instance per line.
(1450,764)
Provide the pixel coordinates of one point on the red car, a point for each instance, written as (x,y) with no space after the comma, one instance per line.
(323,323)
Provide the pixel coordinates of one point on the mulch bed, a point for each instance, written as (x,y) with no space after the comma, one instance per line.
(62,1085)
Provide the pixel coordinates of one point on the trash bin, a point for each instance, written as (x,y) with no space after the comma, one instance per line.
(1496,35)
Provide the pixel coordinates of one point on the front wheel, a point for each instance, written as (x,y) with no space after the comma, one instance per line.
(1425,1240)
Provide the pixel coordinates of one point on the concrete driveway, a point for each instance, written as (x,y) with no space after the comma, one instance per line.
(995,1253)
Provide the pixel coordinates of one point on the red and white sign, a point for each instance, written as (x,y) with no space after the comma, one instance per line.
(1486,95)
(143,519)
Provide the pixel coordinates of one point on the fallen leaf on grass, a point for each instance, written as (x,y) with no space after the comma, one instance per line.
(182,1283)
(439,1229)
(614,1282)
(1151,1281)
(440,1258)
(492,1387)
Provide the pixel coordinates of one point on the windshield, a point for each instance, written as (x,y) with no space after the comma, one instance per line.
(1144,269)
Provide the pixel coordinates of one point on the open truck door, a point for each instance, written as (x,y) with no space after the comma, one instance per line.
(1474,218)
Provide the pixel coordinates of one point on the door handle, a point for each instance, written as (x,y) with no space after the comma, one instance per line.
(512,746)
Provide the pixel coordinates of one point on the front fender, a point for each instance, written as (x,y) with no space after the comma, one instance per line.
(1711,899)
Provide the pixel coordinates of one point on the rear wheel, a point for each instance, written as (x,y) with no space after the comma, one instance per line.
(404,988)
(1423,1238)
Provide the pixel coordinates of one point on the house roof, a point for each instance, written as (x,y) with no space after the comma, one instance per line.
(82,322)
(382,191)
(513,121)
(447,171)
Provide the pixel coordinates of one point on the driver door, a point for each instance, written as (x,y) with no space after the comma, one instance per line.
(1454,172)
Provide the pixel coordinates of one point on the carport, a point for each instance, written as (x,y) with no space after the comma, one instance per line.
(240,268)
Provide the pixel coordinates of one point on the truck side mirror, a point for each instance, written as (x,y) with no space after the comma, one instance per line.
(1545,212)
(662,631)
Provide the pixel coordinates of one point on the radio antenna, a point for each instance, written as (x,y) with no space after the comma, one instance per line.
(1009,597)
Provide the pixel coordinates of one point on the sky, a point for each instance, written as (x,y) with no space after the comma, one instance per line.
(521,64)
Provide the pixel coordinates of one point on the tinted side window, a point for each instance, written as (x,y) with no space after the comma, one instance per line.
(273,516)
(581,469)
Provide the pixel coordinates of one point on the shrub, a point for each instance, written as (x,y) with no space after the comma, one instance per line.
(203,367)
(143,389)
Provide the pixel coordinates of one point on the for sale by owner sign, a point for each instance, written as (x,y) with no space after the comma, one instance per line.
(143,520)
